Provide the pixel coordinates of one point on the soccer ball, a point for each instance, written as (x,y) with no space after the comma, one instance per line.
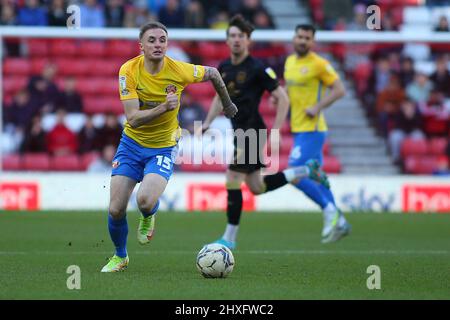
(215,261)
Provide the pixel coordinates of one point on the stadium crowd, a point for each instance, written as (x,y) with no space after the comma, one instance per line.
(405,89)
(131,14)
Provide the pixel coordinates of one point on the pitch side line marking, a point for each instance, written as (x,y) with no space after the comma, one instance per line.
(262,252)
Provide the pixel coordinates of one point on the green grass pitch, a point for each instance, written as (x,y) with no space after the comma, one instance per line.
(279,256)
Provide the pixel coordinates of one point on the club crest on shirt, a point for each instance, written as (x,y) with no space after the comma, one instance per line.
(304,70)
(241,76)
(171,88)
(115,164)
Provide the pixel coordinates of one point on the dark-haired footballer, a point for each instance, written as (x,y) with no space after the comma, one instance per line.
(247,79)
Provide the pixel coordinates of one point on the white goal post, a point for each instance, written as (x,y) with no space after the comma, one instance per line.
(212,35)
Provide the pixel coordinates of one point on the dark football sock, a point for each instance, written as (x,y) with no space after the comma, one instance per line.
(275,181)
(234,207)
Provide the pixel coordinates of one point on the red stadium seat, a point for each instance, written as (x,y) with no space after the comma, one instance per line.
(420,164)
(124,49)
(203,167)
(12,162)
(16,66)
(38,64)
(266,108)
(274,164)
(72,67)
(326,149)
(110,87)
(92,48)
(434,125)
(201,90)
(331,164)
(66,163)
(103,105)
(36,161)
(209,50)
(63,48)
(12,84)
(91,106)
(88,158)
(102,67)
(90,86)
(37,47)
(436,146)
(413,147)
(286,128)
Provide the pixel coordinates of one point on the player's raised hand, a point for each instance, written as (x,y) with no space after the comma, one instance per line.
(171,101)
(230,110)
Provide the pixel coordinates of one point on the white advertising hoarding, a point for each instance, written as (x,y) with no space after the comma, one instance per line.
(196,191)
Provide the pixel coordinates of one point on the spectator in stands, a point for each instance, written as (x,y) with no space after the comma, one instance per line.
(220,21)
(419,89)
(60,140)
(137,15)
(88,137)
(387,22)
(262,20)
(115,13)
(69,98)
(21,111)
(8,15)
(43,89)
(250,8)
(406,71)
(111,132)
(359,19)
(172,14)
(442,167)
(91,15)
(190,111)
(407,124)
(442,25)
(388,103)
(436,116)
(35,137)
(194,15)
(104,162)
(155,5)
(380,75)
(57,15)
(32,14)
(441,77)
(333,10)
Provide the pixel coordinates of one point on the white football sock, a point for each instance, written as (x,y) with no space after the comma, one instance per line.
(295,173)
(341,220)
(231,232)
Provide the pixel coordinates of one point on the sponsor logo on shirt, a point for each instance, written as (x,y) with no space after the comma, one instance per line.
(195,71)
(123,85)
(115,164)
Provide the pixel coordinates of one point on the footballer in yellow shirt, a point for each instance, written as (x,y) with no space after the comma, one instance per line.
(308,78)
(150,86)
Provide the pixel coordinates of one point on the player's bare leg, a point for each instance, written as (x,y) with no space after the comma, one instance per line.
(151,188)
(120,192)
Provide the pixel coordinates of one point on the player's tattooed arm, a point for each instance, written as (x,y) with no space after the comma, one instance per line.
(213,75)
